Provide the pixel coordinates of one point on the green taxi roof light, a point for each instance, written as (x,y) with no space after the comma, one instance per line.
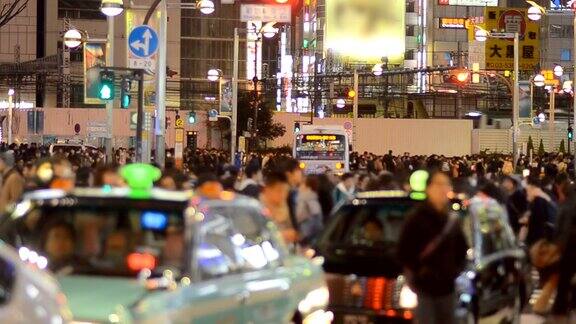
(418,181)
(140,178)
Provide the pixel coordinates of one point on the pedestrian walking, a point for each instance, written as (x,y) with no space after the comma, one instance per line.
(432,249)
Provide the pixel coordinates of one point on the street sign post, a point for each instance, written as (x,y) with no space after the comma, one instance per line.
(143,45)
(213,115)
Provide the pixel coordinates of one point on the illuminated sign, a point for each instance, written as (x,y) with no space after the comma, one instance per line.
(453,23)
(499,52)
(477,3)
(320,137)
(366,30)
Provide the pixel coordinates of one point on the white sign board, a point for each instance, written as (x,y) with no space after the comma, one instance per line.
(478,3)
(265,13)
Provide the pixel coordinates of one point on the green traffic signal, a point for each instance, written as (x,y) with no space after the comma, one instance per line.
(192,117)
(106,89)
(570,133)
(125,97)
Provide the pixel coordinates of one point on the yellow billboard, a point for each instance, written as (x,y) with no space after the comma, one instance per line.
(499,53)
(366,30)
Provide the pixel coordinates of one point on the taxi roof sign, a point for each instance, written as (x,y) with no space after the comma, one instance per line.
(140,178)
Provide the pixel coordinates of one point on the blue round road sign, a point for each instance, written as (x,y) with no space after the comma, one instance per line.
(143,41)
(213,113)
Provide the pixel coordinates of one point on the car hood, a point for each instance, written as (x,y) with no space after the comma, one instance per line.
(94,298)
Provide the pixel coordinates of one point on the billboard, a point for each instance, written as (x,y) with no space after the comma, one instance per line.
(499,52)
(94,58)
(366,30)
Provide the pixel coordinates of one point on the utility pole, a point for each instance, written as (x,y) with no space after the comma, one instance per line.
(110,103)
(355,111)
(160,125)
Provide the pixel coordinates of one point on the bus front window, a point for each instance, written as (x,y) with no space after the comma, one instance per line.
(321,147)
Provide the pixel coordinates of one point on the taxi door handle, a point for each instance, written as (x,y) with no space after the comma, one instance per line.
(242,297)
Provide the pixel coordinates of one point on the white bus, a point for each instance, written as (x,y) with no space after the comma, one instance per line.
(321,149)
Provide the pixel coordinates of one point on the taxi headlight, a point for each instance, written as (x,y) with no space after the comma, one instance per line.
(316,299)
(408,298)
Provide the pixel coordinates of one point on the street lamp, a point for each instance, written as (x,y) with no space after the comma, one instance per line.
(534,13)
(11,93)
(340,103)
(481,35)
(72,38)
(558,70)
(112,8)
(206,6)
(377,70)
(539,80)
(214,75)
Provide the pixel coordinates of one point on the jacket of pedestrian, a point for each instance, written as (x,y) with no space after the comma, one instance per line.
(435,274)
(12,188)
(308,215)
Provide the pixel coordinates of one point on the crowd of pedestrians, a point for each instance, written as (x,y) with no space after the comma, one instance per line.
(536,193)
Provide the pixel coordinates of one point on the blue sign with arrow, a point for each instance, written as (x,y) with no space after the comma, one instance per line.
(143,41)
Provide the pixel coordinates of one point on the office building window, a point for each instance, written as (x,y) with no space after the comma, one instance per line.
(410,30)
(409,55)
(565,54)
(561,31)
(410,6)
(80,9)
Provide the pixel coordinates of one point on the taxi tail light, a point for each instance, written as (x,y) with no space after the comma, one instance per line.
(140,261)
(376,296)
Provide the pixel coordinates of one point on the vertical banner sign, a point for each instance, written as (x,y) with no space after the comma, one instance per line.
(525,112)
(225,97)
(94,58)
(500,52)
(179,145)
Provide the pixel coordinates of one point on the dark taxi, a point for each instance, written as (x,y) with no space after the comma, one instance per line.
(365,280)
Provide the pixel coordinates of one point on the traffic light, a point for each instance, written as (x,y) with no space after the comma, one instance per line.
(457,77)
(350,93)
(125,96)
(192,117)
(570,134)
(296,127)
(106,87)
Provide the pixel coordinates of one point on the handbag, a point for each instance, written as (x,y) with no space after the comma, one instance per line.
(544,253)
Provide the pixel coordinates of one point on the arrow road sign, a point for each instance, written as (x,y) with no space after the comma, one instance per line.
(143,41)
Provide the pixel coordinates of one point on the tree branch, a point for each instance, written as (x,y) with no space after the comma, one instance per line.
(11,10)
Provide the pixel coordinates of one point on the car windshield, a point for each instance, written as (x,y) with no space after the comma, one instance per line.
(102,241)
(372,225)
(321,147)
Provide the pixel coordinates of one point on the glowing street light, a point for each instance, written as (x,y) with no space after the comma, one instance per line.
(539,80)
(112,8)
(206,6)
(534,13)
(481,35)
(340,103)
(558,70)
(72,38)
(213,75)
(377,70)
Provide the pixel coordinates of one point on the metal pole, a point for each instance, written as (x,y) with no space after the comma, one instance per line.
(10,103)
(110,103)
(160,124)
(574,91)
(551,128)
(234,97)
(140,117)
(355,111)
(516,99)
